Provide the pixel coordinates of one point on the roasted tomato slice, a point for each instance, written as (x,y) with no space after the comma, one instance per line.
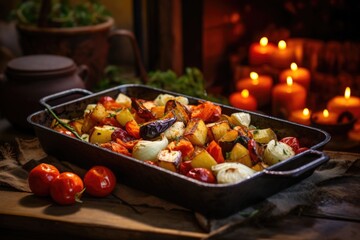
(293,142)
(202,174)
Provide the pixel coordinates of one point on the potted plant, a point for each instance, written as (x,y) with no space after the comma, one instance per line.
(79,31)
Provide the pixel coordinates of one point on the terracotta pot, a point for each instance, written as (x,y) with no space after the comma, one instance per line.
(27,79)
(88,45)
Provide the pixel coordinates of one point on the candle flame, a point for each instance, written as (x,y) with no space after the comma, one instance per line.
(306,112)
(255,78)
(264,41)
(282,44)
(293,66)
(326,113)
(347,93)
(245,93)
(289,81)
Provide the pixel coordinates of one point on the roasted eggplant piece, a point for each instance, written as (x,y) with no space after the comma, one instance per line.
(154,128)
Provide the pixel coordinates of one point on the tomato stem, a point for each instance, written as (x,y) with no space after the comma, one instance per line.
(78,196)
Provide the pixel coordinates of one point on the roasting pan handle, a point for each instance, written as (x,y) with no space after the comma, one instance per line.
(63,94)
(320,159)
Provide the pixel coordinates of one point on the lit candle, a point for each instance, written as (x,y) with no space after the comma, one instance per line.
(283,56)
(299,75)
(301,116)
(287,97)
(243,100)
(325,117)
(340,104)
(259,86)
(259,53)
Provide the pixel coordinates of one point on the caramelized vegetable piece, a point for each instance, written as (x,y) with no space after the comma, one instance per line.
(178,110)
(183,145)
(101,134)
(196,132)
(256,151)
(240,154)
(215,151)
(141,110)
(154,128)
(228,140)
(133,128)
(121,134)
(203,160)
(207,111)
(109,103)
(218,129)
(169,160)
(113,146)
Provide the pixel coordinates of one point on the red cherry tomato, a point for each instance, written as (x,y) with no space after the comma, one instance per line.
(40,178)
(300,150)
(293,142)
(99,181)
(202,174)
(65,131)
(109,103)
(66,188)
(185,167)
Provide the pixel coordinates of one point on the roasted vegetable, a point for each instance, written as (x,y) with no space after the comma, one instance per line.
(146,150)
(207,111)
(141,110)
(196,132)
(169,159)
(228,140)
(240,154)
(178,110)
(240,119)
(218,129)
(101,134)
(175,131)
(154,128)
(124,116)
(203,159)
(264,135)
(232,172)
(277,151)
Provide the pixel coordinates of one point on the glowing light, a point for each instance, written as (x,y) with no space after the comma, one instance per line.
(293,66)
(326,113)
(282,44)
(306,112)
(289,81)
(347,93)
(255,78)
(245,93)
(264,41)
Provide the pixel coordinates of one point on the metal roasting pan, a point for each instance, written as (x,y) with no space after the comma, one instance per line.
(212,200)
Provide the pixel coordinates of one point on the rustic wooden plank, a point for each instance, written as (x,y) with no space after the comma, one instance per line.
(95,218)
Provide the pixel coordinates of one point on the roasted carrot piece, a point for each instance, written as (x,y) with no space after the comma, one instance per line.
(207,111)
(133,128)
(184,146)
(128,145)
(215,151)
(158,111)
(113,146)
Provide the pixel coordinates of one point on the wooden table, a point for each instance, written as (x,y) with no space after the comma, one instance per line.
(24,216)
